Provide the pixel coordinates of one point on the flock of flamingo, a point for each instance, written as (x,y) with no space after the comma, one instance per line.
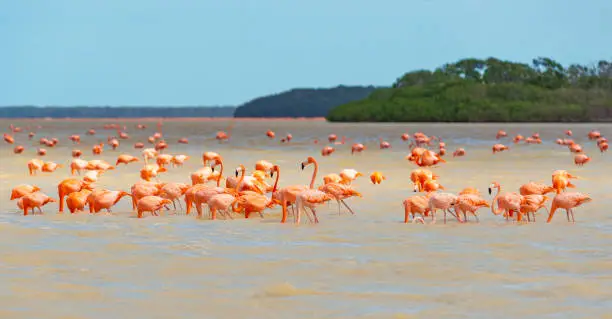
(244,194)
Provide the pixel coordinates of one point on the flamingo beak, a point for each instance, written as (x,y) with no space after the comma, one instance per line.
(489,190)
(212,168)
(271,174)
(236,173)
(303,166)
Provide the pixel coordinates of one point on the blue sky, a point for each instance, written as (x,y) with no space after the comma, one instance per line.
(226,52)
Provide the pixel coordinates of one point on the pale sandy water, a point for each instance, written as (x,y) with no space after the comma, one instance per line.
(370,265)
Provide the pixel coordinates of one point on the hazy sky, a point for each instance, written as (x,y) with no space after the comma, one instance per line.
(226,52)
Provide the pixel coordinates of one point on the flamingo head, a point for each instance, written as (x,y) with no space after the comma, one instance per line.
(275,168)
(492,186)
(308,161)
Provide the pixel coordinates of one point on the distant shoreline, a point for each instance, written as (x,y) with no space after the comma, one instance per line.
(167,119)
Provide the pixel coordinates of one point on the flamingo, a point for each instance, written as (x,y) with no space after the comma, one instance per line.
(152,204)
(416,205)
(533,188)
(311,197)
(567,201)
(22,190)
(104,199)
(34,200)
(377,177)
(443,201)
(469,203)
(76,201)
(506,202)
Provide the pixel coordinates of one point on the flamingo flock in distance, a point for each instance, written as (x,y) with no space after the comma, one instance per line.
(245,193)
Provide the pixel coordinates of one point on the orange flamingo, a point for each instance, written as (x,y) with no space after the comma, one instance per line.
(561,180)
(163,159)
(327,151)
(126,159)
(151,171)
(508,203)
(252,203)
(531,204)
(340,192)
(35,165)
(518,138)
(593,135)
(68,186)
(357,148)
(75,138)
(568,132)
(152,204)
(50,167)
(77,201)
(581,159)
(348,175)
(287,196)
(173,191)
(469,203)
(443,201)
(270,134)
(9,138)
(500,134)
(18,149)
(377,177)
(222,201)
(405,137)
(41,152)
(77,165)
(419,176)
(179,160)
(183,140)
(22,190)
(384,144)
(459,152)
(469,190)
(567,201)
(34,200)
(114,143)
(533,188)
(104,199)
(138,145)
(76,153)
(142,189)
(499,148)
(416,205)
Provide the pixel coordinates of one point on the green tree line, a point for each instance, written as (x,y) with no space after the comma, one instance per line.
(491,90)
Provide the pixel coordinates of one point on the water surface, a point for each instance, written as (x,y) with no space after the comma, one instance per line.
(370,265)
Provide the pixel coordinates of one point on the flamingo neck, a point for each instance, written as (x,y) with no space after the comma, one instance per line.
(493,210)
(240,179)
(314,174)
(276,181)
(220,173)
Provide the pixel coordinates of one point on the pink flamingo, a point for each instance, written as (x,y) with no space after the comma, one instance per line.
(568,201)
(506,202)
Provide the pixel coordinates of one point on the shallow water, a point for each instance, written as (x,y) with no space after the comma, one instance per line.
(370,265)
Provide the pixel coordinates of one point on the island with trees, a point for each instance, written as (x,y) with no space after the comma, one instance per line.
(491,90)
(305,102)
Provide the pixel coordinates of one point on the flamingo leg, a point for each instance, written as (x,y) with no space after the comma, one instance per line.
(567,212)
(572,213)
(338,201)
(314,213)
(347,206)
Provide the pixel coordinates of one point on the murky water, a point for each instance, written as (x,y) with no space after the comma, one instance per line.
(370,265)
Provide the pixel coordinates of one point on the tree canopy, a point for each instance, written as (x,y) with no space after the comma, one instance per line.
(491,90)
(302,102)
